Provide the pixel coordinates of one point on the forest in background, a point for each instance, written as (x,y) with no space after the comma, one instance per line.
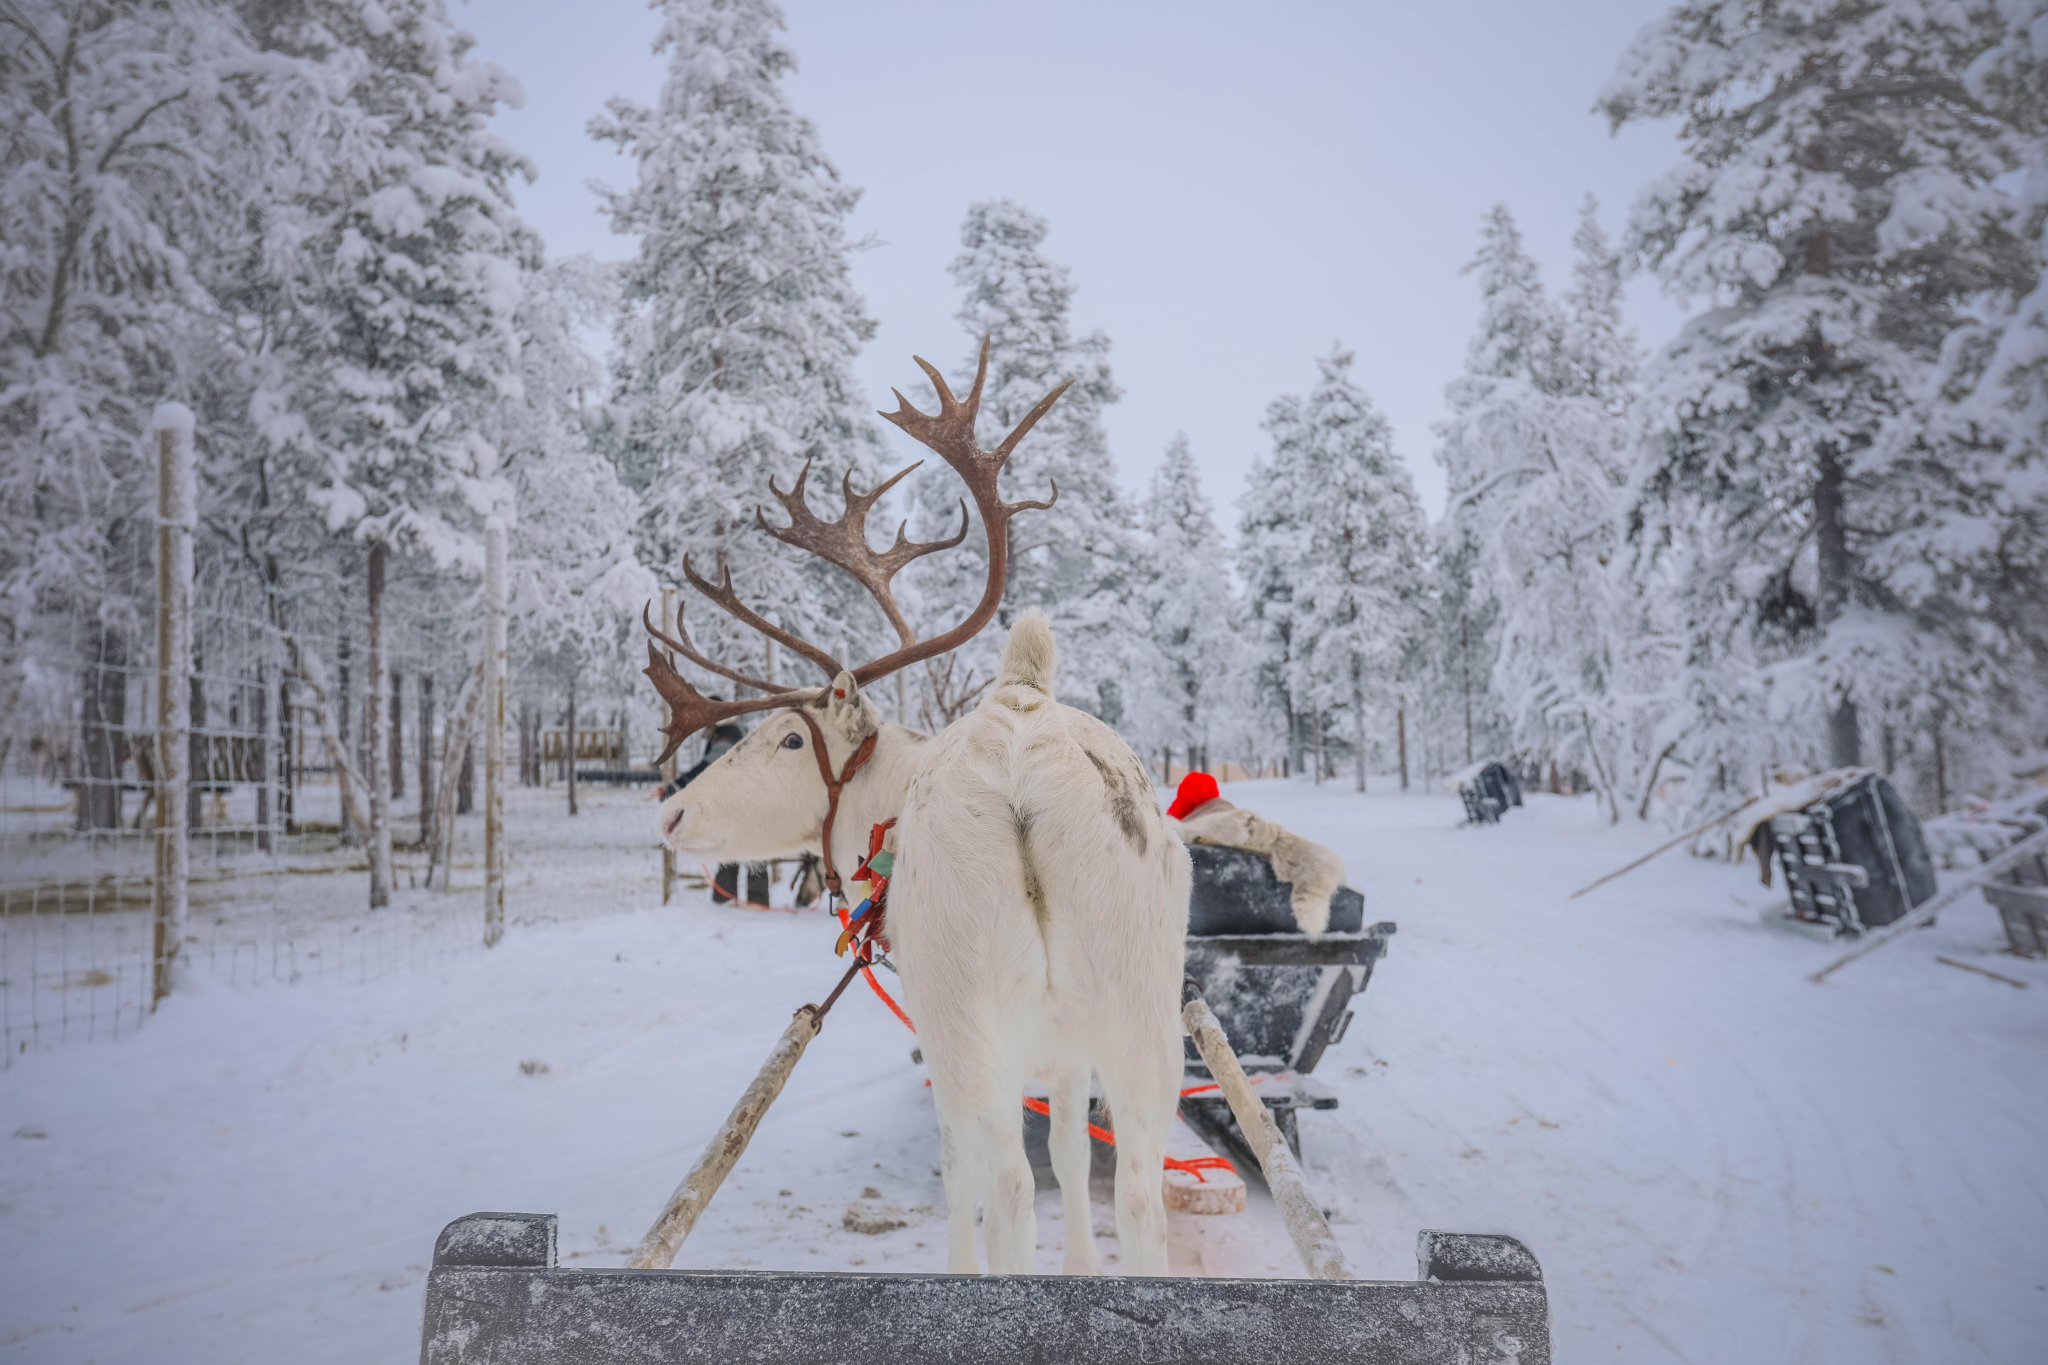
(1809,530)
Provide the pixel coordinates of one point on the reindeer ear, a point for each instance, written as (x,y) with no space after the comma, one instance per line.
(847,709)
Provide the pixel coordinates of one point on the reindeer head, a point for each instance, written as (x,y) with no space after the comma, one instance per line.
(768,795)
(763,798)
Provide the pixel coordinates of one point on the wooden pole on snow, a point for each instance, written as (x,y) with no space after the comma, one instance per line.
(1692,833)
(1305,1222)
(657,1250)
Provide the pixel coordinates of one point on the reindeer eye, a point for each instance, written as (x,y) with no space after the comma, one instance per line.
(792,741)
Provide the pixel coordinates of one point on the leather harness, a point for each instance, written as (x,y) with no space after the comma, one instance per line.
(834,785)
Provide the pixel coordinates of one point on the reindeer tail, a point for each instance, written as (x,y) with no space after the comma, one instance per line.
(1030,657)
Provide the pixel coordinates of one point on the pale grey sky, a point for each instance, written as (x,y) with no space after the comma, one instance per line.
(1233,186)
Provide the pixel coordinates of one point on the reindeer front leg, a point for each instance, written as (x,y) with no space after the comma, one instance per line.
(960,1185)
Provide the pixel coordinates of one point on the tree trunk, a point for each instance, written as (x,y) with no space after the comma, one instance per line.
(1465,662)
(1831,540)
(313,674)
(1401,740)
(259,725)
(1358,734)
(397,734)
(572,742)
(344,723)
(197,771)
(465,784)
(1600,771)
(526,744)
(426,760)
(1940,770)
(457,774)
(287,758)
(105,737)
(378,742)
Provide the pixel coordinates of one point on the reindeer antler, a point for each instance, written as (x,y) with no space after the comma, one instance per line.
(950,433)
(845,542)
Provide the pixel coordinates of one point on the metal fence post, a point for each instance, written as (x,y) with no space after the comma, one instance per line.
(494,731)
(177,516)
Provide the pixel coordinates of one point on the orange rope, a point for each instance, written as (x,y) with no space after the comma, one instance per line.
(1194,1167)
(894,1008)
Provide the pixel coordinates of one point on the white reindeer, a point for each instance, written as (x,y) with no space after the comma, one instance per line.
(1039,903)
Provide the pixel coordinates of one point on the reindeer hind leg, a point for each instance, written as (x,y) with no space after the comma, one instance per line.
(1142,1085)
(1072,1157)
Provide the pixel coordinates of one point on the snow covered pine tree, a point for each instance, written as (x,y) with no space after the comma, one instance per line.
(1334,517)
(405,344)
(1839,209)
(1080,563)
(1190,612)
(733,357)
(1536,450)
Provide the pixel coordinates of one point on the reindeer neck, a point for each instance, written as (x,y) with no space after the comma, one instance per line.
(875,794)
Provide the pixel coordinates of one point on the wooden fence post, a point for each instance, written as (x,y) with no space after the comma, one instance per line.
(494,731)
(177,516)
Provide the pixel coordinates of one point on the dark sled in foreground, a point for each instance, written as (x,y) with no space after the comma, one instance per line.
(496,1297)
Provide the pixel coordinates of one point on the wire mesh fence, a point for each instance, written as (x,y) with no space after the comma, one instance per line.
(98,783)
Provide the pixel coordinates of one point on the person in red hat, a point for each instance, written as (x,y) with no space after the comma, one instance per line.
(1314,872)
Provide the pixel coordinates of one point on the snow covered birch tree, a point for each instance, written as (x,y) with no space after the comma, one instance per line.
(1838,209)
(734,355)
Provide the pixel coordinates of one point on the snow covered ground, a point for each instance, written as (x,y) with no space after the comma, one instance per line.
(1714,1160)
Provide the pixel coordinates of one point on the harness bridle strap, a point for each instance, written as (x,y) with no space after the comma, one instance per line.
(834,785)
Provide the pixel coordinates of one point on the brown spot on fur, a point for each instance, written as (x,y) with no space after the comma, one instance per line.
(1034,889)
(1123,808)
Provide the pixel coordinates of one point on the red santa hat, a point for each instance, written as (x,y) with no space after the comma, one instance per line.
(1196,789)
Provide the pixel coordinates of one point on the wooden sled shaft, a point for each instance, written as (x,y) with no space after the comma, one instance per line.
(657,1250)
(1317,1245)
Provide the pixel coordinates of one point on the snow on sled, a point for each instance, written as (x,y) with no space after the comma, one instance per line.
(495,1296)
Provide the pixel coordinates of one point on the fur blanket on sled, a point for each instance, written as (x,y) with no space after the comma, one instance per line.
(1201,816)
